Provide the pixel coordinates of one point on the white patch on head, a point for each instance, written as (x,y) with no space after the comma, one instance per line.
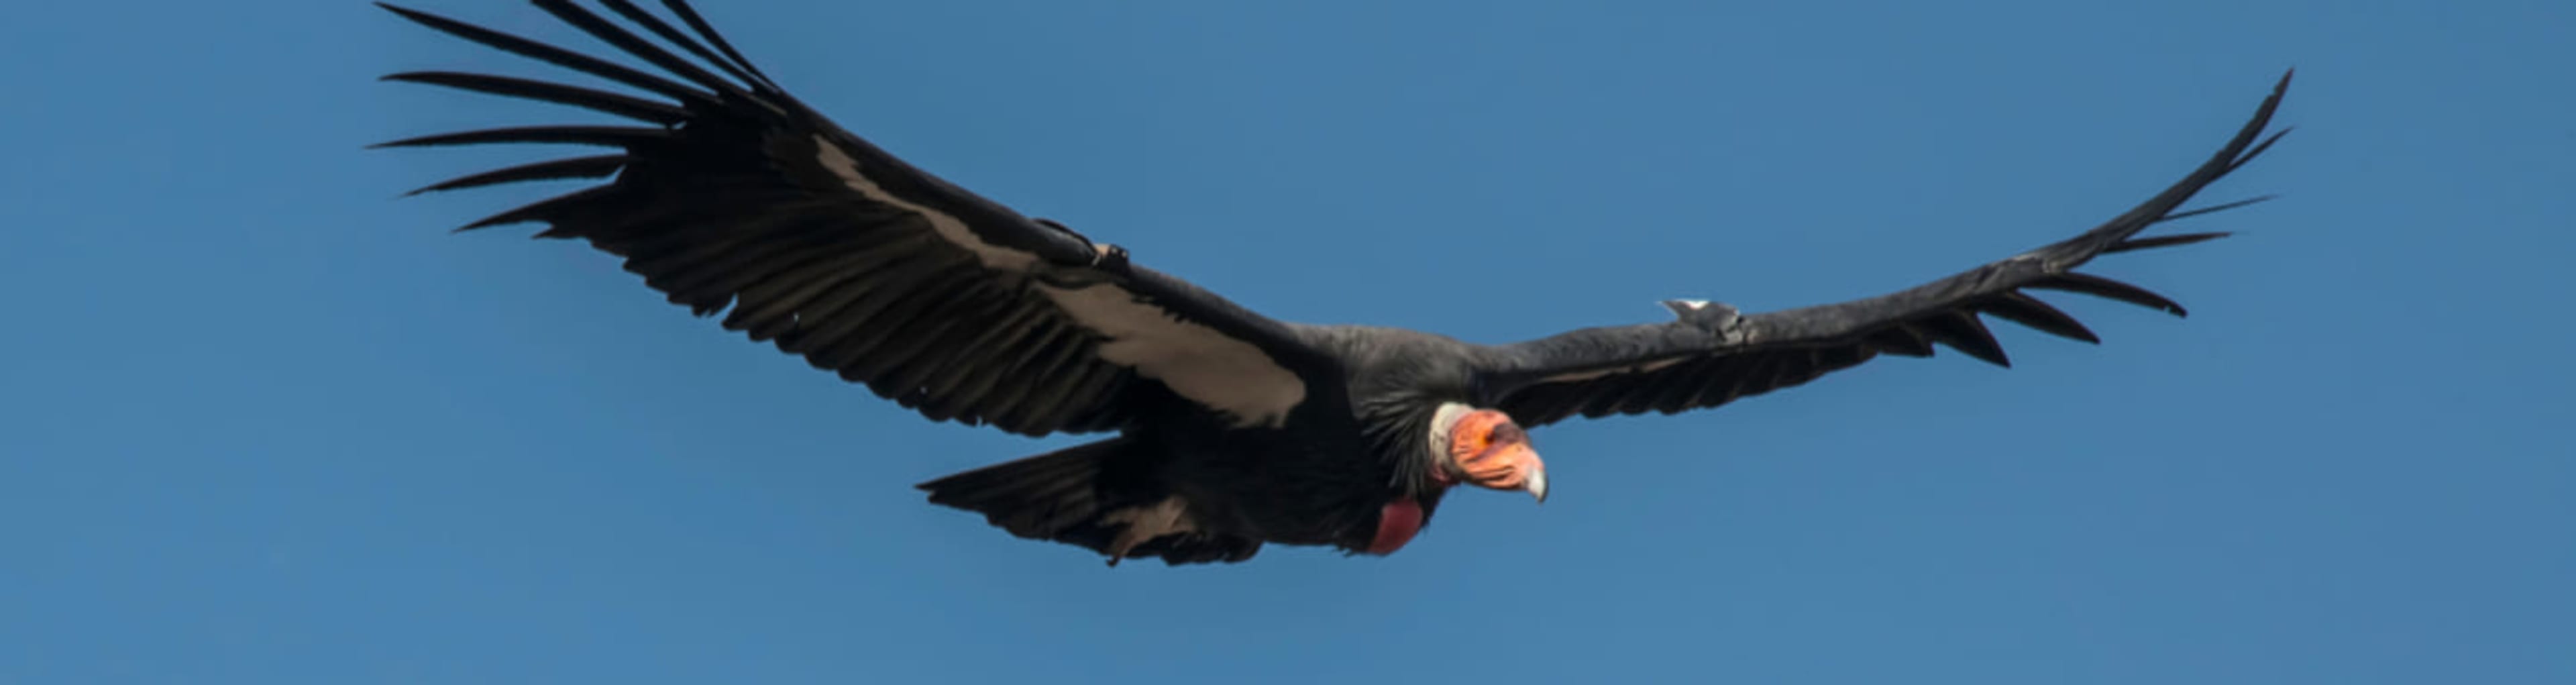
(1442,420)
(1589,375)
(1203,365)
(1143,524)
(1228,375)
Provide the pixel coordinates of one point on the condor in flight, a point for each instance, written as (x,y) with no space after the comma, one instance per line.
(1225,429)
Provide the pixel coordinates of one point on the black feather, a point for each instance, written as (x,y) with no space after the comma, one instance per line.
(542,91)
(828,316)
(2162,241)
(675,37)
(2221,207)
(977,383)
(1791,370)
(772,297)
(1836,358)
(1898,339)
(982,355)
(1041,379)
(794,312)
(629,137)
(1082,381)
(837,324)
(637,46)
(888,316)
(553,210)
(928,349)
(565,58)
(755,268)
(1751,377)
(2103,287)
(1963,332)
(883,309)
(576,167)
(764,242)
(2029,311)
(699,24)
(1657,391)
(724,261)
(2266,144)
(1711,376)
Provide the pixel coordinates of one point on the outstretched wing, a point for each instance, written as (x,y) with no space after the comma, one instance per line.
(731,193)
(1710,355)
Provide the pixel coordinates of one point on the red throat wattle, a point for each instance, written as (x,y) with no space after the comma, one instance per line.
(1396,524)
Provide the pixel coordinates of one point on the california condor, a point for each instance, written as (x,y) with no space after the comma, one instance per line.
(1226,429)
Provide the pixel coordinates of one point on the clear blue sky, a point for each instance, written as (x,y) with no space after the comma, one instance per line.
(266,423)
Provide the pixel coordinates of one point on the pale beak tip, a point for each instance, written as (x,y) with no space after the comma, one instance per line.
(1538,486)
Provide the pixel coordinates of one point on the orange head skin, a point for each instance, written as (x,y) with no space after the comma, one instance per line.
(1487,450)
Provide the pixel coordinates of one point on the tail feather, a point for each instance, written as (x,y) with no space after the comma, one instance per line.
(1092,496)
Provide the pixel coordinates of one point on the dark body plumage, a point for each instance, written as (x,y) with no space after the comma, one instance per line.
(1225,429)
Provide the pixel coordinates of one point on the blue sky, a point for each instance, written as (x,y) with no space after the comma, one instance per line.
(267,423)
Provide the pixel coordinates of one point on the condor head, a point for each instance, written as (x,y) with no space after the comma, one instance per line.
(1484,448)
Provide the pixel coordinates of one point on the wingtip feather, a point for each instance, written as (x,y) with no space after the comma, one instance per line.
(636,46)
(1964,332)
(2110,289)
(574,167)
(689,15)
(2164,241)
(543,91)
(540,51)
(2030,311)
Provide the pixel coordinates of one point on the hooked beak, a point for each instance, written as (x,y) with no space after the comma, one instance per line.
(1537,485)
